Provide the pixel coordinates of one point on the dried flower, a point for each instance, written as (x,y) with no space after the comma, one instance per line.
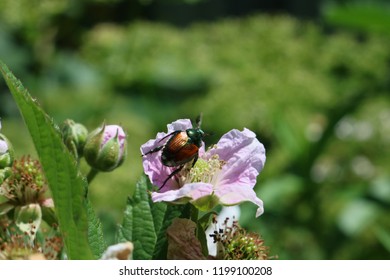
(25,190)
(27,183)
(234,243)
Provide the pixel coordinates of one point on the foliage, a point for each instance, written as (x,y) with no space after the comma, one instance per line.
(318,101)
(362,16)
(66,185)
(146,223)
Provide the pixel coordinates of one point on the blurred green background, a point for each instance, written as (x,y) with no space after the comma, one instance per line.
(311,78)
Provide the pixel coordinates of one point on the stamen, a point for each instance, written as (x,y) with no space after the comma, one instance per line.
(204,170)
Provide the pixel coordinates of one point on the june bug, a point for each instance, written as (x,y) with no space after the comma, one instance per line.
(182,147)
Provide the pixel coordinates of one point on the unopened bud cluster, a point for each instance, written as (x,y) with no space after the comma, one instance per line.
(104,148)
(74,136)
(6,157)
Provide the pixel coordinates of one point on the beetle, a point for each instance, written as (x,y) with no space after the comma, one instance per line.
(182,147)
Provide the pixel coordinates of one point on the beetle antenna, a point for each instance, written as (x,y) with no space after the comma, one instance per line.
(199,120)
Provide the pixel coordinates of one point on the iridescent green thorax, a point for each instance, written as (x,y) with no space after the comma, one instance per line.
(195,136)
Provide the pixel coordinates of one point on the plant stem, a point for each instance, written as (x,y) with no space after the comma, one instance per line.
(91,175)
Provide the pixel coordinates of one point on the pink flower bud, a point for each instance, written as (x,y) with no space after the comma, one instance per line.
(6,152)
(106,148)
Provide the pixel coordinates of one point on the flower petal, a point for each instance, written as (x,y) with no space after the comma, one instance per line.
(181,124)
(231,195)
(3,147)
(244,156)
(188,192)
(226,217)
(120,251)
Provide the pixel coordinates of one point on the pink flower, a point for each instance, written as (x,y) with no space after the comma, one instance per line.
(224,174)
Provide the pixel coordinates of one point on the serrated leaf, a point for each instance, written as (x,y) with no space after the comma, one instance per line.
(66,185)
(158,209)
(95,233)
(145,223)
(49,216)
(138,224)
(161,247)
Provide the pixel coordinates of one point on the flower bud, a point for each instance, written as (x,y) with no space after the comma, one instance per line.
(6,152)
(105,148)
(4,174)
(74,136)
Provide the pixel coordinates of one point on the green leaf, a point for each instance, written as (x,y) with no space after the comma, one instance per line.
(49,216)
(138,224)
(383,236)
(357,216)
(365,16)
(67,186)
(145,223)
(5,207)
(95,233)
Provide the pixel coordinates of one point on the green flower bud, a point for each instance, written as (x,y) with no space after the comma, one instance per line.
(6,152)
(74,136)
(4,174)
(105,148)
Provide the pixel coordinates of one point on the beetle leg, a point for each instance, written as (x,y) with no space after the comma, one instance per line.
(160,147)
(154,150)
(195,159)
(174,172)
(166,136)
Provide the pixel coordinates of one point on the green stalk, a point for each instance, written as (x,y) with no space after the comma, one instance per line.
(92,174)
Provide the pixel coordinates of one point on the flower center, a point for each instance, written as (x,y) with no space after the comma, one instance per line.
(205,170)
